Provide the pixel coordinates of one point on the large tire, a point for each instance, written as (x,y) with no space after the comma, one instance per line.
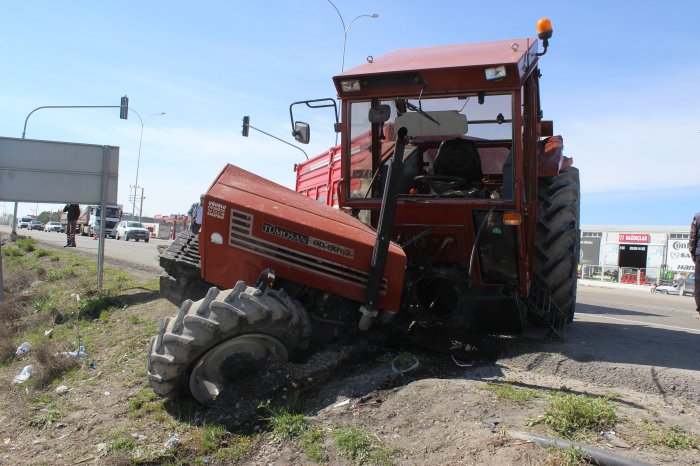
(220,316)
(557,243)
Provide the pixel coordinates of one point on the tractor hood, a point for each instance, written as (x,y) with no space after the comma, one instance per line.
(261,224)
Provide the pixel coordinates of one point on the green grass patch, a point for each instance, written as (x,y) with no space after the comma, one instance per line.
(136,320)
(211,437)
(44,419)
(27,244)
(358,445)
(44,253)
(284,421)
(506,391)
(312,446)
(571,456)
(571,414)
(92,308)
(673,436)
(286,425)
(144,402)
(121,441)
(238,446)
(55,275)
(10,251)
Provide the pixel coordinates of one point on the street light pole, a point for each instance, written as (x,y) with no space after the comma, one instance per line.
(124,104)
(347,28)
(138,162)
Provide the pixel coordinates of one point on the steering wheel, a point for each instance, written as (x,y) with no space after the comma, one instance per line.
(441,183)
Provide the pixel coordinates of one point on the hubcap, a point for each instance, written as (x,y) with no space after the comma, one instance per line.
(232,361)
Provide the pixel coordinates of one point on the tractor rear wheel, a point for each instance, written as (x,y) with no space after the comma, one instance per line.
(557,243)
(224,339)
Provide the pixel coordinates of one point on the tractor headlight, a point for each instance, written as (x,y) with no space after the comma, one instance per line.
(351,85)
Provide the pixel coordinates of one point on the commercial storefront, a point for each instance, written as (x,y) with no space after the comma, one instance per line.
(651,250)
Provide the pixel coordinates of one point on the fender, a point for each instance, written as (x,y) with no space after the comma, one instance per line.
(550,157)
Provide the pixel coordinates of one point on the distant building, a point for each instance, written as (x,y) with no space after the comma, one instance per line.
(652,248)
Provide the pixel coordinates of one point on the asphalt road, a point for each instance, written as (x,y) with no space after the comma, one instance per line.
(638,327)
(143,256)
(623,338)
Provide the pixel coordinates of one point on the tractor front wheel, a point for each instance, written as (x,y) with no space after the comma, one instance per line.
(224,339)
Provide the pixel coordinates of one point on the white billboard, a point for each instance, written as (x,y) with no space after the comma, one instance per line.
(678,256)
(57,172)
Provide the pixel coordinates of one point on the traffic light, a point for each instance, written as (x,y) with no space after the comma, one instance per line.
(246,126)
(124,108)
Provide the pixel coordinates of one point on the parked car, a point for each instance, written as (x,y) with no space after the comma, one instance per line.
(53,226)
(688,287)
(665,289)
(24,222)
(36,225)
(132,230)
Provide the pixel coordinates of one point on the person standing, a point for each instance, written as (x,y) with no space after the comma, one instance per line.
(694,248)
(72,214)
(195,214)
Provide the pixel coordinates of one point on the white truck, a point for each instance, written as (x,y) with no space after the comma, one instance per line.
(89,221)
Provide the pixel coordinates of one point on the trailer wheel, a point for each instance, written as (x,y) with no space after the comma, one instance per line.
(223,339)
(557,242)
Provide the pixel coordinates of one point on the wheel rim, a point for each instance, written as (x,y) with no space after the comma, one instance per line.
(232,361)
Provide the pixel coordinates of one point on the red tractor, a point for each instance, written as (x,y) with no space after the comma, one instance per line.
(456,208)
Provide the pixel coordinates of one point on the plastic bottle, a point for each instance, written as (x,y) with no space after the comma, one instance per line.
(23,348)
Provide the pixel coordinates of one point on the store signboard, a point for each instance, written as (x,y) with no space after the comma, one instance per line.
(634,237)
(678,256)
(590,251)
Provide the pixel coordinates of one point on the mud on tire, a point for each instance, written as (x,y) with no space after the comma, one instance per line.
(219,316)
(557,242)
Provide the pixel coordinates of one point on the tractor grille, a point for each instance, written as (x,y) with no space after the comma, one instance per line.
(242,237)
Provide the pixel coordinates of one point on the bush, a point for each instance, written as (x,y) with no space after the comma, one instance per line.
(50,367)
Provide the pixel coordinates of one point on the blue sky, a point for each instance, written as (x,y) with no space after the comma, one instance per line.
(619,81)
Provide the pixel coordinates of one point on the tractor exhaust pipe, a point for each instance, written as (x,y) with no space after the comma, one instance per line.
(386,223)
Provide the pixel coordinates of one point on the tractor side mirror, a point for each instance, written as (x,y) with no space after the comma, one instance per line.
(302,132)
(379,113)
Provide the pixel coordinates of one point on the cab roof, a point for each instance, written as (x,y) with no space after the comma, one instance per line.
(502,52)
(466,63)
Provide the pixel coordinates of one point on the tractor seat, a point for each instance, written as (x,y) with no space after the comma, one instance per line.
(460,158)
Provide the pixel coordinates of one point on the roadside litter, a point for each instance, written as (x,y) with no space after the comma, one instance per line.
(23,348)
(24,375)
(460,363)
(404,362)
(79,353)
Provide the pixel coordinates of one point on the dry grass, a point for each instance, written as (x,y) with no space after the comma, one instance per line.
(7,344)
(49,366)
